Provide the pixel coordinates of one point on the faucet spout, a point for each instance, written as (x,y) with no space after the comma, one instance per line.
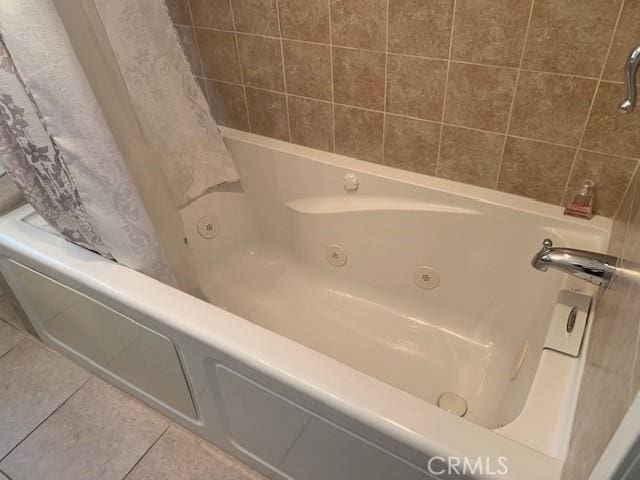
(596,268)
(630,70)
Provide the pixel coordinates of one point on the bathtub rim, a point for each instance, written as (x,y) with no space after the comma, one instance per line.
(481,194)
(162,308)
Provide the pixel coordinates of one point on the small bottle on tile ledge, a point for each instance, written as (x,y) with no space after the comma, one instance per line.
(581,205)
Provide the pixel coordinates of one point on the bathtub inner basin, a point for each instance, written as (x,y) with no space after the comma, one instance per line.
(343,273)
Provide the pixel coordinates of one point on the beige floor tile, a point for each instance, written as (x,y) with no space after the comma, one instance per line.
(34,381)
(100,433)
(179,454)
(8,314)
(9,337)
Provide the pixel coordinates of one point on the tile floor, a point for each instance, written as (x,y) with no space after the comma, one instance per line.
(59,422)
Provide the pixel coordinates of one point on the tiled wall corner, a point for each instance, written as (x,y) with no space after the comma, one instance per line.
(530,87)
(611,377)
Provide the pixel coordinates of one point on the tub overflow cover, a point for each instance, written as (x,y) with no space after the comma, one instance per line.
(453,403)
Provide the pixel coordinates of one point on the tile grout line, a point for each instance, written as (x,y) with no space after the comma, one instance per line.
(446,88)
(333,95)
(204,77)
(515,92)
(284,72)
(153,444)
(582,149)
(386,87)
(244,87)
(195,41)
(433,122)
(91,377)
(400,54)
(565,192)
(14,347)
(2,472)
(280,36)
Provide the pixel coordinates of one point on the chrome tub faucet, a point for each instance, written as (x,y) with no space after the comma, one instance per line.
(596,268)
(630,69)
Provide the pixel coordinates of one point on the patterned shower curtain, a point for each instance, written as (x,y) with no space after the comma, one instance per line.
(36,164)
(170,106)
(56,145)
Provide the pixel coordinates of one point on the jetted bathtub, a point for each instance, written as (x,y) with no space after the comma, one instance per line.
(340,301)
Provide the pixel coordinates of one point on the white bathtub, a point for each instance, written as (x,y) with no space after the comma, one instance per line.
(307,370)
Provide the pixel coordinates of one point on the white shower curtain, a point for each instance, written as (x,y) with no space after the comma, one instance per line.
(80,183)
(58,147)
(171,107)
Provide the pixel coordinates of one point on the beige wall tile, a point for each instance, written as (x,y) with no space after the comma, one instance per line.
(631,261)
(470,156)
(415,86)
(611,174)
(179,11)
(608,131)
(359,23)
(490,32)
(550,107)
(479,97)
(188,42)
(227,104)
(261,60)
(305,20)
(621,304)
(631,254)
(359,133)
(358,78)
(411,144)
(614,328)
(602,405)
(535,170)
(311,123)
(488,41)
(626,38)
(569,36)
(610,379)
(268,114)
(212,14)
(256,16)
(422,28)
(308,69)
(219,55)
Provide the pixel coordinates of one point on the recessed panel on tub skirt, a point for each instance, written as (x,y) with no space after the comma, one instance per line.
(114,343)
(298,442)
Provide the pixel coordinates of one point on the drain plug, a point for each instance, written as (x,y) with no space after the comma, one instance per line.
(453,403)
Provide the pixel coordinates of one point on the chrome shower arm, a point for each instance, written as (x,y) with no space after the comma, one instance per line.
(630,69)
